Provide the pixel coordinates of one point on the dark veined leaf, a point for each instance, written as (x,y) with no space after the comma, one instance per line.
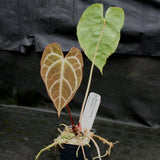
(62,75)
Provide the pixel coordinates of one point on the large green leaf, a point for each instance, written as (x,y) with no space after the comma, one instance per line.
(100,36)
(61,75)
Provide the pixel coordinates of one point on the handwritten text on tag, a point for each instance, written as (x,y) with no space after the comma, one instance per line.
(90,110)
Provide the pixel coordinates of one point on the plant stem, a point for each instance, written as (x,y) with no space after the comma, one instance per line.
(86,95)
(90,76)
(87,92)
(73,126)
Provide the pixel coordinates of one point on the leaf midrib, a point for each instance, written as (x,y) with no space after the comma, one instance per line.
(91,72)
(61,81)
(100,37)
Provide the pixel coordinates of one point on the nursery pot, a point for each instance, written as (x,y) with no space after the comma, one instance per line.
(69,152)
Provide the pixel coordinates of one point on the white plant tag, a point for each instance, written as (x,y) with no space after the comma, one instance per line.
(90,110)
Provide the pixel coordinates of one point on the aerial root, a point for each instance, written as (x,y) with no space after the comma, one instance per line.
(66,127)
(110,144)
(96,145)
(83,151)
(46,148)
(59,131)
(77,151)
(61,145)
(84,155)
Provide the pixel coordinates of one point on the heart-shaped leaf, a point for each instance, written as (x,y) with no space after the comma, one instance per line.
(98,36)
(61,75)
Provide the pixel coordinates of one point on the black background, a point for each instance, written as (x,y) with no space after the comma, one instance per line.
(25,23)
(130,85)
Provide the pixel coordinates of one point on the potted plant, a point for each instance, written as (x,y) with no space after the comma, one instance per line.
(99,38)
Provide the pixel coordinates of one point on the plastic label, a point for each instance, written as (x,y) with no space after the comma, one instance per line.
(90,110)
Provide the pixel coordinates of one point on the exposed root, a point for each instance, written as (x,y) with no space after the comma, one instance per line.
(46,148)
(59,131)
(97,148)
(66,127)
(77,150)
(110,144)
(101,156)
(81,138)
(84,155)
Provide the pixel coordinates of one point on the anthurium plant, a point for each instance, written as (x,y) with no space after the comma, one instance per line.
(98,36)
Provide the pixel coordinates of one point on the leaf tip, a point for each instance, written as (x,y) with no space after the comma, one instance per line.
(58,111)
(59,114)
(100,69)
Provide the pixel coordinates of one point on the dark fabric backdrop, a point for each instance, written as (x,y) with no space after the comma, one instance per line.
(130,86)
(24,23)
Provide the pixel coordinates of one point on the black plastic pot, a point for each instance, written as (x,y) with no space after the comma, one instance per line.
(69,152)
